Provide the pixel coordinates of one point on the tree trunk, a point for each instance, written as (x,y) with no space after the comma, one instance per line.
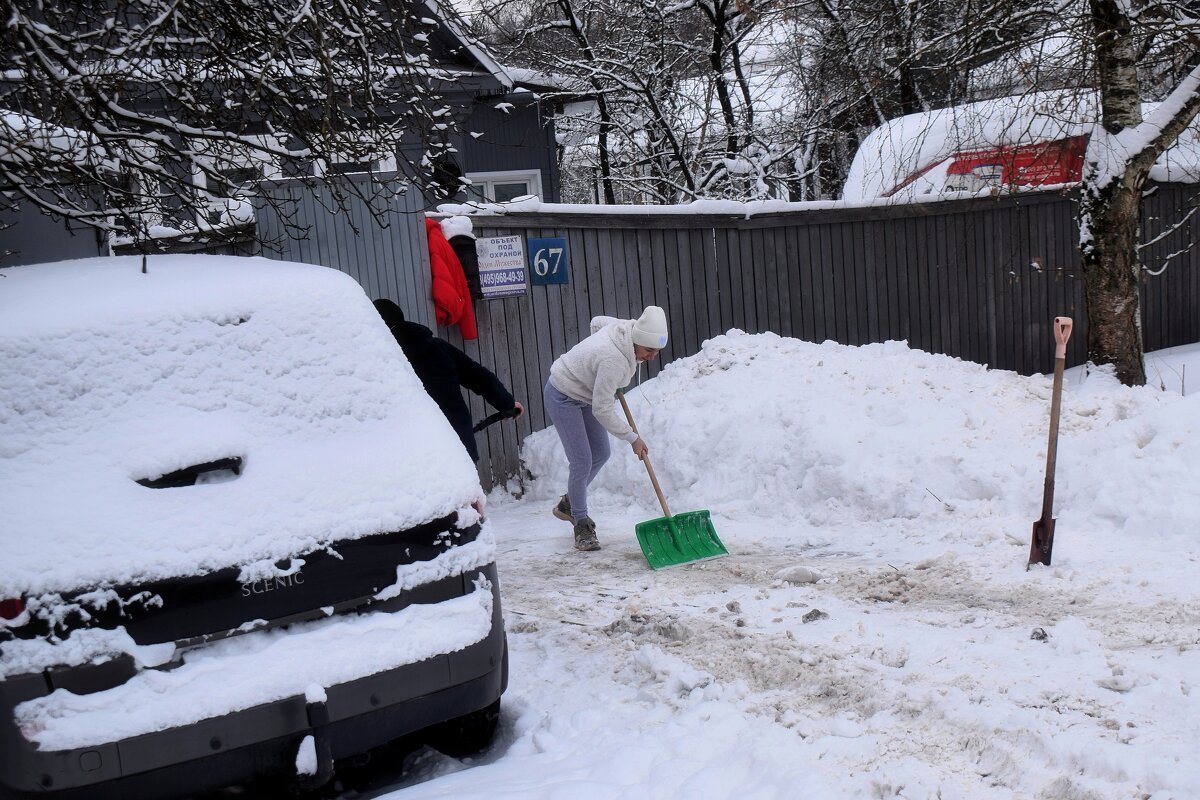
(718,76)
(1118,166)
(717,17)
(1112,203)
(1110,280)
(606,124)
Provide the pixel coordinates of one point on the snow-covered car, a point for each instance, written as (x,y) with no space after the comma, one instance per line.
(238,541)
(1020,141)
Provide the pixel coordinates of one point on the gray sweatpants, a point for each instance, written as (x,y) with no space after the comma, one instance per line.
(584,440)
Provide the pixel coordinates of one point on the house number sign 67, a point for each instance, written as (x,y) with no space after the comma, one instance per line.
(548,261)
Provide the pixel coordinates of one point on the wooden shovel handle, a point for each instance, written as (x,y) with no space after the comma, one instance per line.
(1062,332)
(646,458)
(1043,528)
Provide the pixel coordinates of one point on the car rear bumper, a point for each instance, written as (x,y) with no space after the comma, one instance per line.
(262,740)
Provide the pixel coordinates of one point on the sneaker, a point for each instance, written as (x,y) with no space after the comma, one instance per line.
(585,535)
(563,509)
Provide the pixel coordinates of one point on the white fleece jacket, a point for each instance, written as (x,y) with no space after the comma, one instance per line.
(593,370)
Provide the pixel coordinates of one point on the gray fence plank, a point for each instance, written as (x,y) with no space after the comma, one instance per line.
(663,252)
(708,307)
(866,285)
(822,286)
(807,274)
(645,264)
(789,291)
(721,279)
(768,292)
(685,287)
(978,326)
(865,234)
(613,251)
(724,277)
(902,279)
(741,265)
(759,313)
(627,241)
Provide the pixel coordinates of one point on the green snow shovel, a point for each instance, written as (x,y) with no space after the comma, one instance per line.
(672,540)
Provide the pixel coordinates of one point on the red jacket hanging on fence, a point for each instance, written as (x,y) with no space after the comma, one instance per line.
(451,295)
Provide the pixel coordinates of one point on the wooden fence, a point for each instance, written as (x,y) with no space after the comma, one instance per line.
(375,236)
(980,279)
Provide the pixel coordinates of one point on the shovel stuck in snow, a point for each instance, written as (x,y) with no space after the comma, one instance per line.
(672,540)
(1043,529)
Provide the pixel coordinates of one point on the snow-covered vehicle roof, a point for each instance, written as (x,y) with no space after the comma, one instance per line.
(113,376)
(916,154)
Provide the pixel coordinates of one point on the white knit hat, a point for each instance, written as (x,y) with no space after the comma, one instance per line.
(650,330)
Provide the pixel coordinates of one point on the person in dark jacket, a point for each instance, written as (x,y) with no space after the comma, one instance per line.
(444,371)
(460,233)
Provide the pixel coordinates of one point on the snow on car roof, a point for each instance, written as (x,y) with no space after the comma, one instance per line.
(900,149)
(111,375)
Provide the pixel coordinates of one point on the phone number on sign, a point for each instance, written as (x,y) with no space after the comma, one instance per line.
(507,277)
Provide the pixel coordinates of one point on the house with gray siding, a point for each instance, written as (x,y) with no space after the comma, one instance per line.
(502,146)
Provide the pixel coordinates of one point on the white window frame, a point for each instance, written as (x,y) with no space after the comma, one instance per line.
(384,163)
(485,182)
(270,164)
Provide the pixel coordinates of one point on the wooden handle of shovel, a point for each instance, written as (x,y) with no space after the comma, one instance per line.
(1042,546)
(646,458)
(1062,332)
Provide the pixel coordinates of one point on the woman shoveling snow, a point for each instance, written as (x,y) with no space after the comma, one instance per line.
(581,401)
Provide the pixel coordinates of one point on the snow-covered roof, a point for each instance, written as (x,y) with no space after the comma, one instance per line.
(537,80)
(112,375)
(28,138)
(450,22)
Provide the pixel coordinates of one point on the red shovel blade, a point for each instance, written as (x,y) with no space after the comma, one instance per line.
(1043,541)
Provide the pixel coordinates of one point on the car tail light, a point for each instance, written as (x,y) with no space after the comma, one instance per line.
(11,609)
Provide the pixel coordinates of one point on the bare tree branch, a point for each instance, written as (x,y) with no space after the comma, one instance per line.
(158,112)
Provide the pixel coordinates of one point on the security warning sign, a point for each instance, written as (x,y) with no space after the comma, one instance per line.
(501,266)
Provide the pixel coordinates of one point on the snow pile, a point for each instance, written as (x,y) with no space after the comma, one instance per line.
(825,436)
(306,756)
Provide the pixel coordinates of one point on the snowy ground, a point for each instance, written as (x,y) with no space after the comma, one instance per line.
(874,632)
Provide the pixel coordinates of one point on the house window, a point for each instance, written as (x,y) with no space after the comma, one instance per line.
(355,163)
(238,176)
(239,165)
(349,167)
(226,171)
(500,187)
